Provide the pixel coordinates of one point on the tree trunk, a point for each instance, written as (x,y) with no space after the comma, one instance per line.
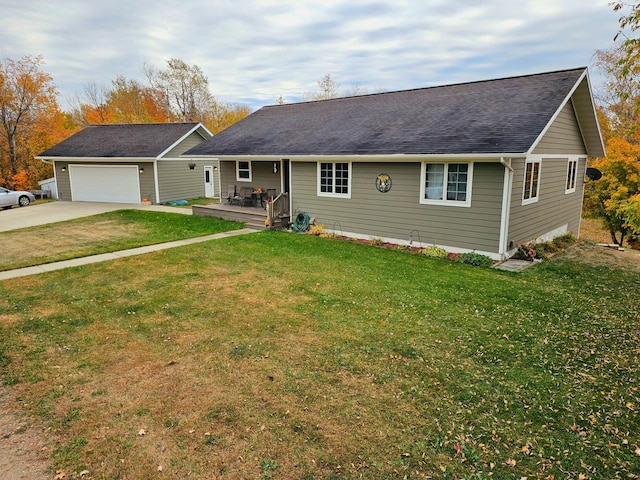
(613,237)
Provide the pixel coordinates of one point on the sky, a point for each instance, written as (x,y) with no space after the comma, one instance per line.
(254,51)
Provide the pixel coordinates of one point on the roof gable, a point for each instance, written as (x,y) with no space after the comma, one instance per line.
(124,140)
(494,116)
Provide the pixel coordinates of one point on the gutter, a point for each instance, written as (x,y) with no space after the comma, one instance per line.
(395,157)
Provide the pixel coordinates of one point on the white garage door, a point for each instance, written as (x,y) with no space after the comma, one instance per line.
(105,183)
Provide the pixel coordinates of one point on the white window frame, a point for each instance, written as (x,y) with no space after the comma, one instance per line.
(527,188)
(243,179)
(572,175)
(320,193)
(444,201)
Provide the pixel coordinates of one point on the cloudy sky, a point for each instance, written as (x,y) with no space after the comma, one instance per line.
(254,51)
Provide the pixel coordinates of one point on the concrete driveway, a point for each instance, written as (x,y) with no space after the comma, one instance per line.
(43,213)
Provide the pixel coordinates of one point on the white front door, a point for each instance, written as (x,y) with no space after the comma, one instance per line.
(208,182)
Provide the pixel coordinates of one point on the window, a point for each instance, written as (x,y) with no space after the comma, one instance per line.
(446,183)
(243,171)
(334,179)
(572,175)
(531,182)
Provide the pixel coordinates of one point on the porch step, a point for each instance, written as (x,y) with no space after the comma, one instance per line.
(252,218)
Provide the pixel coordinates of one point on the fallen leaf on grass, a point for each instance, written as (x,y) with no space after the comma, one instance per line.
(510,462)
(142,431)
(59,475)
(638,451)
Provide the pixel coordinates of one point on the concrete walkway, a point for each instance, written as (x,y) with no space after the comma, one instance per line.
(50,267)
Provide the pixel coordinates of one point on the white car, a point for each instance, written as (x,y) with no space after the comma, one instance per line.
(9,198)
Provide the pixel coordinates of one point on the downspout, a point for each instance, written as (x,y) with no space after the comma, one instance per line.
(506,206)
(155,180)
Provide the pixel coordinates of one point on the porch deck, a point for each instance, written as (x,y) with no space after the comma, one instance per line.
(252,217)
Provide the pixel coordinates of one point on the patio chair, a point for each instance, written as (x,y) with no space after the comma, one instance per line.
(231,194)
(246,196)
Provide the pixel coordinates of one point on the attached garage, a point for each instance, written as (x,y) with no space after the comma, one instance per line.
(105,183)
(132,163)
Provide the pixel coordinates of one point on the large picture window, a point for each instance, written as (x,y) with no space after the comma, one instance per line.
(334,179)
(446,183)
(572,175)
(531,185)
(243,171)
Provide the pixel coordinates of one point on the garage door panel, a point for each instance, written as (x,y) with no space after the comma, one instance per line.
(105,183)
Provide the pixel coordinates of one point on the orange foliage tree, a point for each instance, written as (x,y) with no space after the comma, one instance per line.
(178,93)
(30,121)
(614,197)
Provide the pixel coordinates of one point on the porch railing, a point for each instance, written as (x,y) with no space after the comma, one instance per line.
(278,210)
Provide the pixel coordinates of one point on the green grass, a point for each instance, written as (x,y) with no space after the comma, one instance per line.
(106,232)
(276,355)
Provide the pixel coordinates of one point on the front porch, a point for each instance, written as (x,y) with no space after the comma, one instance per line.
(252,217)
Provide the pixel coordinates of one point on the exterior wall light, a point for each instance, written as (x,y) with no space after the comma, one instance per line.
(63,169)
(192,166)
(141,171)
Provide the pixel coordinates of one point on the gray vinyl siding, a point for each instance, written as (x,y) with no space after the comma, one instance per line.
(191,141)
(553,209)
(563,137)
(147,184)
(176,181)
(398,214)
(262,176)
(63,182)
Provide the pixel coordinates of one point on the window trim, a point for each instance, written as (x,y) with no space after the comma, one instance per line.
(533,198)
(320,193)
(444,201)
(250,170)
(572,176)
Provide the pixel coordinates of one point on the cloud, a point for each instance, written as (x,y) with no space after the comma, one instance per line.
(254,53)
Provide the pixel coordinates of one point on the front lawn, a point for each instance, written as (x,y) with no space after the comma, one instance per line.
(106,232)
(277,355)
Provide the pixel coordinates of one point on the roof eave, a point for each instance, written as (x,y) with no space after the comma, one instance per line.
(390,158)
(97,159)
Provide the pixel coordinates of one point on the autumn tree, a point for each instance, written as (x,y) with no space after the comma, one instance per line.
(615,198)
(90,107)
(222,115)
(619,96)
(30,119)
(629,63)
(328,88)
(130,101)
(184,89)
(179,93)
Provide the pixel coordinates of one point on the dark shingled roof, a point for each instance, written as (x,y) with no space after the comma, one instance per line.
(121,140)
(494,116)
